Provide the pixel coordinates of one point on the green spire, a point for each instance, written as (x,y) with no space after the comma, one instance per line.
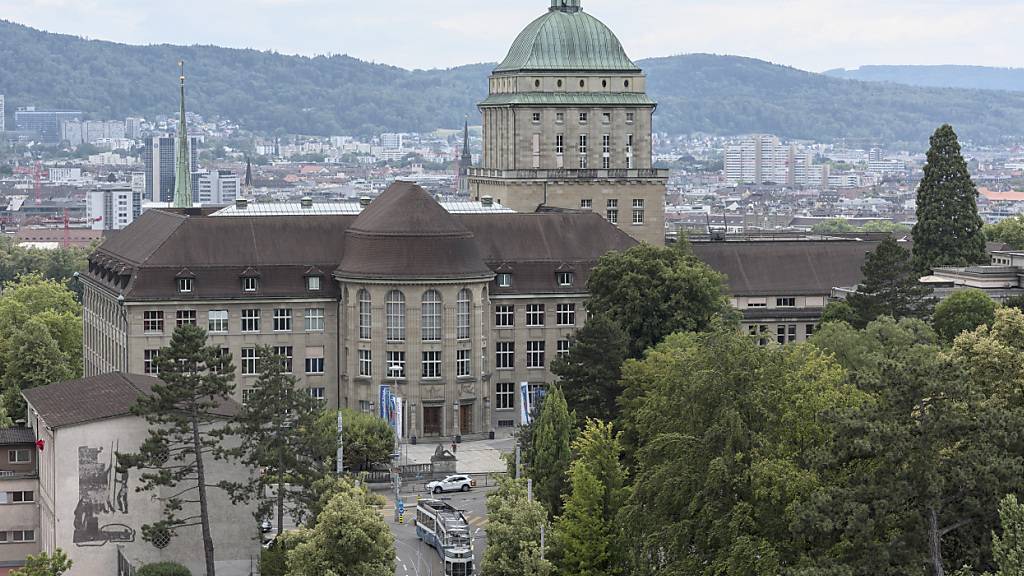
(183,176)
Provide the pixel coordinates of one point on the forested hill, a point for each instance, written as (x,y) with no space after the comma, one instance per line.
(271,92)
(977,77)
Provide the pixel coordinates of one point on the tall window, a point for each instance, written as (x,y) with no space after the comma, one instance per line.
(314,319)
(504,280)
(184,285)
(218,321)
(365,315)
(504,316)
(583,151)
(251,320)
(534,314)
(505,396)
(314,360)
(286,353)
(606,149)
(365,363)
(250,284)
(149,362)
(396,364)
(613,211)
(430,316)
(282,320)
(638,211)
(562,348)
(565,314)
(463,363)
(629,151)
(395,311)
(153,321)
(463,315)
(312,283)
(249,362)
(185,318)
(535,354)
(559,144)
(431,364)
(504,355)
(536,150)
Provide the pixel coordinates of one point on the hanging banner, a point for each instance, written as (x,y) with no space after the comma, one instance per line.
(399,410)
(383,402)
(526,404)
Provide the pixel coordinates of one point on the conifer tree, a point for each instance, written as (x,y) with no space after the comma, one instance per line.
(949,230)
(550,452)
(589,375)
(891,286)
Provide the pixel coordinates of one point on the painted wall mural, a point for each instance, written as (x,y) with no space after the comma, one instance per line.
(102,499)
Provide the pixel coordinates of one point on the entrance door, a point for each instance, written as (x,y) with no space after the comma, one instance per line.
(432,420)
(466,418)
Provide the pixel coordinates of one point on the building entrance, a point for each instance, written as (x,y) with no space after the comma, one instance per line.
(466,419)
(432,420)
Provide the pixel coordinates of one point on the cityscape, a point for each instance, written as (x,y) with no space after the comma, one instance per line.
(573,312)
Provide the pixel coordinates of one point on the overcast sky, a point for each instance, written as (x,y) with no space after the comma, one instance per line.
(811,34)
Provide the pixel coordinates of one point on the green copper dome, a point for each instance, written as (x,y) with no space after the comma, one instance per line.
(567,39)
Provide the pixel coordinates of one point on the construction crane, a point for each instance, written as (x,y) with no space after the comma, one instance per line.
(67,230)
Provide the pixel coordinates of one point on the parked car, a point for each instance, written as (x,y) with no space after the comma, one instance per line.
(455,483)
(266,525)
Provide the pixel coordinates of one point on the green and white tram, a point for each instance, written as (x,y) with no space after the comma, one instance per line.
(446,529)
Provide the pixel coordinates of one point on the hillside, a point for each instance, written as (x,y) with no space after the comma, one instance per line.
(270,92)
(975,77)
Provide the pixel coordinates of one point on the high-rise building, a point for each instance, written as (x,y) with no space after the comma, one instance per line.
(45,123)
(3,115)
(111,207)
(158,155)
(567,125)
(763,159)
(215,187)
(133,128)
(138,192)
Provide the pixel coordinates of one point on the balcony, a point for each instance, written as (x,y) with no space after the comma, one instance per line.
(570,174)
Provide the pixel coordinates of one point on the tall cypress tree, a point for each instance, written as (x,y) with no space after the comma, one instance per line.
(550,453)
(948,230)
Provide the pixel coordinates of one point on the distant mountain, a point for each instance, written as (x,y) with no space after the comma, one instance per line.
(973,77)
(270,92)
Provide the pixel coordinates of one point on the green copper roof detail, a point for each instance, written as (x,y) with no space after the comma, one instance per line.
(628,99)
(183,175)
(567,39)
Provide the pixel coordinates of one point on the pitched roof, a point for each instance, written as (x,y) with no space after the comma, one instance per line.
(11,436)
(95,398)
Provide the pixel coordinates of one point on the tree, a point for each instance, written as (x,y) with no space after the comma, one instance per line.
(186,416)
(550,452)
(963,311)
(833,226)
(587,539)
(589,375)
(274,426)
(891,286)
(948,230)
(839,311)
(1008,548)
(368,438)
(164,569)
(44,564)
(349,538)
(513,532)
(651,292)
(886,227)
(1009,231)
(32,358)
(1014,302)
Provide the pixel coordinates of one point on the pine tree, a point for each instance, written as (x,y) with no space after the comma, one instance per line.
(275,426)
(1008,548)
(550,452)
(185,413)
(589,375)
(948,230)
(891,286)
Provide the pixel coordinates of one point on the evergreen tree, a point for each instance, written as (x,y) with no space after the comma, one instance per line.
(513,532)
(948,230)
(589,375)
(187,426)
(274,426)
(550,452)
(891,286)
(1008,548)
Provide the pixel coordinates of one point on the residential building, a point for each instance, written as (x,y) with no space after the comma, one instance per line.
(133,128)
(111,207)
(456,313)
(64,174)
(88,505)
(215,187)
(19,487)
(46,124)
(567,126)
(763,159)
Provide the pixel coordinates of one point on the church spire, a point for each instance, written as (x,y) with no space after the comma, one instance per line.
(183,175)
(466,162)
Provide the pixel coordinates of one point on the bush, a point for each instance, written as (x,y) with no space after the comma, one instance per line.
(964,311)
(163,569)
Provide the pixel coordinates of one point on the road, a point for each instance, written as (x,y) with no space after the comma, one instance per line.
(417,559)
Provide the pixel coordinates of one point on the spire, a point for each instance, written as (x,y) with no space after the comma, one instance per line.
(248,172)
(183,175)
(567,5)
(467,155)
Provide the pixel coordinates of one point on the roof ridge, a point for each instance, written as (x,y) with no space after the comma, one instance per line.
(182,218)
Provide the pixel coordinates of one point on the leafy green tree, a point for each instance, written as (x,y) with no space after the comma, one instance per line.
(368,439)
(963,311)
(1009,231)
(886,227)
(349,538)
(274,426)
(33,358)
(513,532)
(891,286)
(550,452)
(833,226)
(589,374)
(587,538)
(651,292)
(839,311)
(44,564)
(187,428)
(948,230)
(1014,302)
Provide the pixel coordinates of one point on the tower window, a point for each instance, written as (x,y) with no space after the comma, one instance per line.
(559,83)
(630,116)
(626,83)
(536,117)
(583,83)
(184,285)
(560,117)
(604,83)
(536,83)
(583,117)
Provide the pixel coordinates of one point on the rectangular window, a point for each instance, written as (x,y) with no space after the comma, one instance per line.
(21,497)
(606,144)
(534,314)
(559,144)
(19,456)
(23,536)
(629,151)
(431,367)
(792,332)
(504,280)
(583,151)
(535,354)
(286,353)
(562,348)
(505,396)
(365,363)
(780,333)
(586,204)
(185,285)
(809,330)
(536,117)
(583,117)
(185,318)
(606,117)
(318,394)
(504,316)
(217,321)
(559,117)
(365,317)
(314,319)
(396,365)
(785,302)
(506,423)
(314,360)
(282,320)
(565,314)
(536,150)
(313,283)
(250,284)
(149,362)
(505,355)
(565,279)
(249,362)
(757,304)
(612,211)
(251,320)
(463,363)
(247,396)
(153,321)
(638,211)
(630,117)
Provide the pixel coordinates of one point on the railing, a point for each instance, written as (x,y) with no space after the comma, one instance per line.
(124,567)
(568,174)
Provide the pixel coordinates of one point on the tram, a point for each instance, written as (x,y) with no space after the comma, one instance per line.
(446,529)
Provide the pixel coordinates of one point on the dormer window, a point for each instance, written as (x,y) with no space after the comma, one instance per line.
(312,283)
(565,279)
(185,285)
(504,280)
(250,284)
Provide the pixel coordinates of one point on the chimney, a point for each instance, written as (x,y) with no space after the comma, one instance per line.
(307,202)
(241,203)
(487,200)
(364,201)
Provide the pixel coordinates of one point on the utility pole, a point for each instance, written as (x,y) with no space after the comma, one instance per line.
(519,458)
(339,466)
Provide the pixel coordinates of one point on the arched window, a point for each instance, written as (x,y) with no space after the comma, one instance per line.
(430,314)
(463,315)
(395,311)
(365,315)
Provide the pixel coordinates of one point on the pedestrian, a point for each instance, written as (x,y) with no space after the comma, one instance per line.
(455,447)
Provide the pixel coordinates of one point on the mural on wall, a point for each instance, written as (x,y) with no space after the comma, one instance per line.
(102,499)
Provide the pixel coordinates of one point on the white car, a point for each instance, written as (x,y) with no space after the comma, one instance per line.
(456,483)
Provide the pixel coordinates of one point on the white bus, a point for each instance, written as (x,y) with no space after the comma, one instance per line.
(446,529)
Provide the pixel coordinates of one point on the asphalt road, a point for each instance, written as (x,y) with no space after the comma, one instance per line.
(414,558)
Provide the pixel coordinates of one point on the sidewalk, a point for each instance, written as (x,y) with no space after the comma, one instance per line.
(477,457)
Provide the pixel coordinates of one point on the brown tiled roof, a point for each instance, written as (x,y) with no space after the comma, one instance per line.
(95,398)
(11,436)
(794,268)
